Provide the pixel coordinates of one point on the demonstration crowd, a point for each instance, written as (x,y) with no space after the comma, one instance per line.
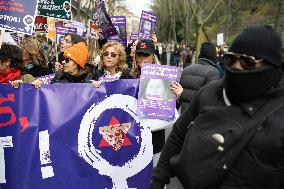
(230,133)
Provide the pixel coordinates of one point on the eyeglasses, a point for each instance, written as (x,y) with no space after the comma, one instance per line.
(112,54)
(247,62)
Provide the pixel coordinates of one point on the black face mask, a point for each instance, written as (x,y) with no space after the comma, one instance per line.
(244,86)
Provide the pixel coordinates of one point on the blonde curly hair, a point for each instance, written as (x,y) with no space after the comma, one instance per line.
(121,52)
(33,47)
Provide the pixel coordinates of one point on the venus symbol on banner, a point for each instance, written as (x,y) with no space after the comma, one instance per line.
(92,156)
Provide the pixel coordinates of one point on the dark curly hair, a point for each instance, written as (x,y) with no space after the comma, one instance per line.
(12,53)
(75,38)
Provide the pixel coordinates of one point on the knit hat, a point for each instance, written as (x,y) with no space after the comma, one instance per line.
(145,46)
(78,53)
(261,42)
(208,51)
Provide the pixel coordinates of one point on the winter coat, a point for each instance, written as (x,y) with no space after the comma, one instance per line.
(63,77)
(194,77)
(260,164)
(36,70)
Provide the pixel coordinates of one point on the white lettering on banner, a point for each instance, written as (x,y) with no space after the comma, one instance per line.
(46,171)
(5,142)
(10,18)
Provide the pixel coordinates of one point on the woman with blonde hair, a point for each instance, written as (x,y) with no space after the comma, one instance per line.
(34,60)
(113,63)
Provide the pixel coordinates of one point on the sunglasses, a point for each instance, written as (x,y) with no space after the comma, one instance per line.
(67,60)
(247,62)
(112,54)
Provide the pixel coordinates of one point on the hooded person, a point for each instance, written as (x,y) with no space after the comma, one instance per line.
(197,75)
(75,59)
(248,100)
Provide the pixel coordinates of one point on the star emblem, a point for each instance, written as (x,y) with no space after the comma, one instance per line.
(115,134)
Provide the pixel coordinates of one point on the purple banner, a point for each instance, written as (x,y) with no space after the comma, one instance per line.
(62,31)
(18,15)
(70,136)
(119,23)
(147,26)
(47,78)
(156,100)
(102,19)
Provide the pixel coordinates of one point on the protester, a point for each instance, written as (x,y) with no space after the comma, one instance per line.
(197,75)
(69,40)
(203,149)
(113,63)
(11,66)
(74,67)
(35,62)
(144,53)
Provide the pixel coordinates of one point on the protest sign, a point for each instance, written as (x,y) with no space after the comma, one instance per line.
(78,25)
(119,23)
(147,26)
(62,31)
(156,100)
(60,9)
(51,29)
(103,21)
(41,24)
(72,136)
(17,15)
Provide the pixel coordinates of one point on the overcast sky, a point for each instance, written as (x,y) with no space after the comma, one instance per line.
(136,6)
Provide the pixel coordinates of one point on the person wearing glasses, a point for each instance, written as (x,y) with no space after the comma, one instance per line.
(113,64)
(253,80)
(74,69)
(69,40)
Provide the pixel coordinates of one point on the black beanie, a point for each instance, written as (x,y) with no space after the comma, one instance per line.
(208,51)
(261,42)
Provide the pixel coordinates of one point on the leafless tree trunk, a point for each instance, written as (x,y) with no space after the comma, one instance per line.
(279,23)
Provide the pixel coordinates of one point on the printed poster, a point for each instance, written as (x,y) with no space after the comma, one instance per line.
(60,9)
(18,15)
(156,100)
(148,24)
(119,23)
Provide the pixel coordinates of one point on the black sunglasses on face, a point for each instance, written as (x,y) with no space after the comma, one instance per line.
(247,62)
(112,54)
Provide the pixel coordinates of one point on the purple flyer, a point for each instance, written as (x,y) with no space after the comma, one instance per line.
(62,31)
(147,26)
(119,23)
(102,20)
(155,99)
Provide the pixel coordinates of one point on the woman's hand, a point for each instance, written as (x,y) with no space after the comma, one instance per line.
(58,66)
(16,83)
(37,83)
(177,89)
(96,84)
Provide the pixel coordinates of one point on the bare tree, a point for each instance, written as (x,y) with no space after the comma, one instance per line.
(279,23)
(199,9)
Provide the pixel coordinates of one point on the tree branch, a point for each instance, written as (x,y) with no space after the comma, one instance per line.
(212,11)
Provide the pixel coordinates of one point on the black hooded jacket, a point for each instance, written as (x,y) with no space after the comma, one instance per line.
(261,163)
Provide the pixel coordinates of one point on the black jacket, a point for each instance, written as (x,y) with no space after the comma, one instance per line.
(63,77)
(260,165)
(194,77)
(35,70)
